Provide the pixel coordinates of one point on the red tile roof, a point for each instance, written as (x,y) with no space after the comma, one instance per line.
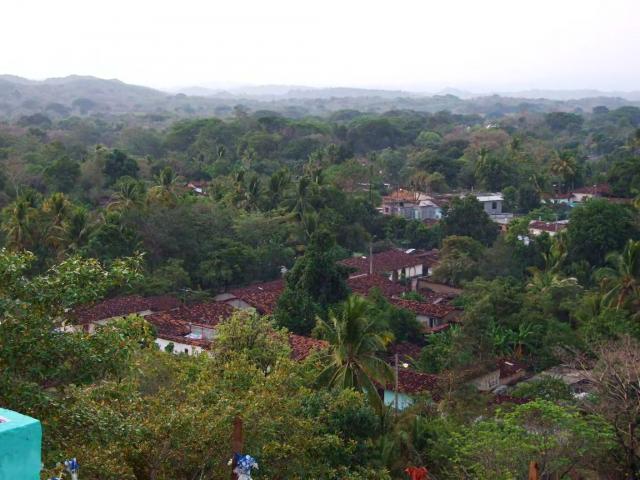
(407,351)
(209,313)
(302,347)
(402,195)
(262,296)
(121,306)
(439,328)
(383,262)
(363,284)
(412,382)
(599,189)
(557,196)
(547,226)
(421,308)
(175,330)
(430,257)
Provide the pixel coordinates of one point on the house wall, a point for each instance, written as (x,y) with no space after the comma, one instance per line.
(404,400)
(581,197)
(493,207)
(438,287)
(20,446)
(430,321)
(238,303)
(179,347)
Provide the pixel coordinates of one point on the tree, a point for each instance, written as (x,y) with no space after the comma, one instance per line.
(32,310)
(466,217)
(559,121)
(597,228)
(616,376)
(254,337)
(18,225)
(62,175)
(624,176)
(427,139)
(403,324)
(166,185)
(314,283)
(119,164)
(354,342)
(621,281)
(559,439)
(459,260)
(565,166)
(129,194)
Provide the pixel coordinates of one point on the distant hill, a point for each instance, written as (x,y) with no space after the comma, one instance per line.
(274,92)
(90,96)
(572,94)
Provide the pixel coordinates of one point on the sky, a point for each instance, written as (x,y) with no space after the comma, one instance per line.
(422,45)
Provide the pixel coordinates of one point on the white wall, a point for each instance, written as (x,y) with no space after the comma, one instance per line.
(179,347)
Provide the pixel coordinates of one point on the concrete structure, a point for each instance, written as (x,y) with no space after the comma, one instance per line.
(491,202)
(20,445)
(411,205)
(538,227)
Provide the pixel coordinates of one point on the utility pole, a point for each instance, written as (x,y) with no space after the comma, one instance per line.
(371,257)
(237,443)
(396,386)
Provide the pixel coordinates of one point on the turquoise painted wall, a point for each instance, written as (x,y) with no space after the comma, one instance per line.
(404,400)
(20,444)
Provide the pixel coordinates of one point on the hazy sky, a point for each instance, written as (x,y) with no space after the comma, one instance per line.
(423,44)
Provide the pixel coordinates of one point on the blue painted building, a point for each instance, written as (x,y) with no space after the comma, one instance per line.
(20,445)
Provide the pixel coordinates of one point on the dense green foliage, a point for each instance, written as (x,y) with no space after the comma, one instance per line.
(94,206)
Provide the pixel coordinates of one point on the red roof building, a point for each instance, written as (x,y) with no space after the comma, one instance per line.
(393,263)
(208,314)
(537,227)
(261,296)
(433,314)
(123,306)
(412,382)
(365,283)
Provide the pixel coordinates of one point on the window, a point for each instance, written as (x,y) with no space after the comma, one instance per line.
(494,205)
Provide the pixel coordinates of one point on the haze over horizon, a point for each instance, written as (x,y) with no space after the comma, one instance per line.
(494,46)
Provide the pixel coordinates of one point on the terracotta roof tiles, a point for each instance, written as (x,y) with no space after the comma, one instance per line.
(122,306)
(262,296)
(383,262)
(363,284)
(427,309)
(302,347)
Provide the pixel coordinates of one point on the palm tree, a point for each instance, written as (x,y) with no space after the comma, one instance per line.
(17,224)
(252,193)
(278,182)
(165,189)
(57,208)
(77,229)
(129,194)
(301,202)
(355,341)
(564,165)
(620,281)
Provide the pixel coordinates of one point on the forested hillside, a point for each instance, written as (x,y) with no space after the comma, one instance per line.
(58,98)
